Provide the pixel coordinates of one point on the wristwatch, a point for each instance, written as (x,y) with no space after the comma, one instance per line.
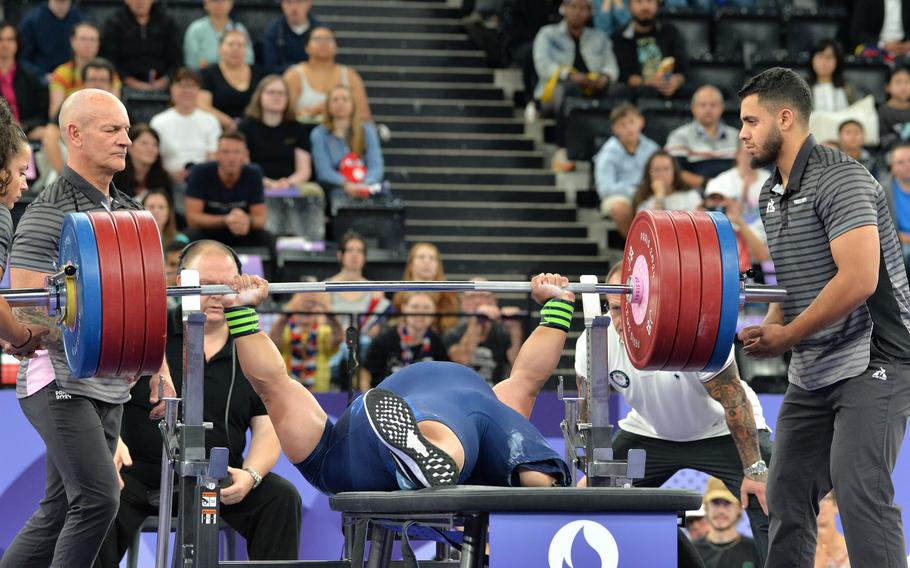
(759,468)
(257,479)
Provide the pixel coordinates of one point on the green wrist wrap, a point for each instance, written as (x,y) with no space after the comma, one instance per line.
(557,314)
(241,320)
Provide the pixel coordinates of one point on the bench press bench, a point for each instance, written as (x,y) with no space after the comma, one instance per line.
(528,526)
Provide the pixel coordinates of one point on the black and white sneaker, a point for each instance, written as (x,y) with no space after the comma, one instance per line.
(417,459)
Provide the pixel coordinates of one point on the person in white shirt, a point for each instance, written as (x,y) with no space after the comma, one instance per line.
(189,135)
(710,422)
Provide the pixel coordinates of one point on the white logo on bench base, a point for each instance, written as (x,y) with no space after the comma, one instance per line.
(596,536)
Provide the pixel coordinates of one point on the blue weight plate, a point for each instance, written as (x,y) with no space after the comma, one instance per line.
(729,307)
(78,247)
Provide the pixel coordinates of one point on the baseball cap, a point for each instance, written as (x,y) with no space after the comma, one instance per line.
(717,490)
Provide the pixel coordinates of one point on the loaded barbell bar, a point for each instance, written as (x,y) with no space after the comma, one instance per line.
(22,297)
(680,300)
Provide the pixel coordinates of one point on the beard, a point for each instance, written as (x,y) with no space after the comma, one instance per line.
(769,152)
(644,22)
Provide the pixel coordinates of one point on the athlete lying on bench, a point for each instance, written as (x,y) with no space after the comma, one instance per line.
(429,424)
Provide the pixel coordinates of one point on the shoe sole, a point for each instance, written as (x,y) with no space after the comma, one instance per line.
(417,458)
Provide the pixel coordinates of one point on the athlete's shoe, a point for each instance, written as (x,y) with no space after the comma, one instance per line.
(416,458)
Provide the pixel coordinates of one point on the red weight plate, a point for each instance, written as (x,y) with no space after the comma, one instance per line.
(155,291)
(652,257)
(112,299)
(690,291)
(711,290)
(134,284)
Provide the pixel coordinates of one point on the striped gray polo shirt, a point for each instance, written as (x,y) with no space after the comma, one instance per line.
(35,248)
(829,194)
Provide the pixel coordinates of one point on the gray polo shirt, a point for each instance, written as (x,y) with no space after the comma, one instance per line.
(829,194)
(35,248)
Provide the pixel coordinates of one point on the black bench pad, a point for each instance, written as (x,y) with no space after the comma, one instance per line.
(481,499)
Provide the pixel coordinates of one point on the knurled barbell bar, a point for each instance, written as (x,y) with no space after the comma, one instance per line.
(679,307)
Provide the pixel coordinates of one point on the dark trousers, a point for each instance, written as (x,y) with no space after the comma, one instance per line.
(269,517)
(715,456)
(81,488)
(845,437)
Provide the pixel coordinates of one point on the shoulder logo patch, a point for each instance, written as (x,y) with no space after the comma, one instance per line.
(619,379)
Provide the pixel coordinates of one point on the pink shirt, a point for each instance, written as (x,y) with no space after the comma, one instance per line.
(40,372)
(7,91)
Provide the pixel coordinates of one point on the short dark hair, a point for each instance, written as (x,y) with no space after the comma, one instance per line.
(185,73)
(623,110)
(100,63)
(779,86)
(235,135)
(848,122)
(895,70)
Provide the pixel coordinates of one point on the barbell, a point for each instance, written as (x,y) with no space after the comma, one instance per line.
(679,304)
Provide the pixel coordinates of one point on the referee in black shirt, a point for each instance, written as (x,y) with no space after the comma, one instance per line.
(847,321)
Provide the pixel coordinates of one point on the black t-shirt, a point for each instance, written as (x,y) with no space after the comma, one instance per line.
(225,97)
(740,553)
(579,63)
(385,355)
(491,356)
(203,183)
(272,147)
(142,436)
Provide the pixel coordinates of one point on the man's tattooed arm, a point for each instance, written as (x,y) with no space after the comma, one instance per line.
(726,389)
(37,315)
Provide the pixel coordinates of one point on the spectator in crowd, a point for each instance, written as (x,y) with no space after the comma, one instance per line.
(831,548)
(487,342)
(620,163)
(281,146)
(662,186)
(259,504)
(144,170)
(310,81)
(228,84)
(425,265)
(287,37)
(346,151)
(142,41)
(894,115)
(737,191)
(880,27)
(308,340)
(572,59)
(159,203)
(522,19)
(97,73)
(651,53)
(43,37)
(188,134)
(830,91)
(706,146)
(697,524)
(723,546)
(412,340)
(897,190)
(850,137)
(352,258)
(750,236)
(26,95)
(225,200)
(67,77)
(171,265)
(203,36)
(611,15)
